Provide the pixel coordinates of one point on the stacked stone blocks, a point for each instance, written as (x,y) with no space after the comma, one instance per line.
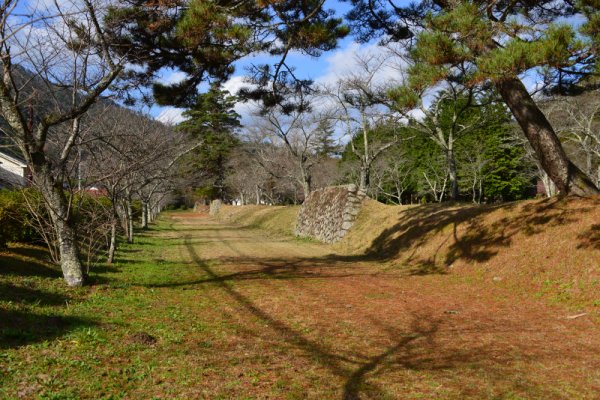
(327,214)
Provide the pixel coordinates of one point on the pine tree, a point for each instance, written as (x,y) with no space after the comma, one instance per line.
(203,38)
(491,43)
(213,122)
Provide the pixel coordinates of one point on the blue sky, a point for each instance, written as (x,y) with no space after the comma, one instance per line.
(322,69)
(305,66)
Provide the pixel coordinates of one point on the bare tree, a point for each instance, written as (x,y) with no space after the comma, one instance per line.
(445,121)
(247,178)
(301,133)
(435,179)
(361,104)
(133,157)
(577,122)
(391,176)
(59,52)
(472,169)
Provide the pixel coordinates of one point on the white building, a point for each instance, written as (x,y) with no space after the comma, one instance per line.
(13,172)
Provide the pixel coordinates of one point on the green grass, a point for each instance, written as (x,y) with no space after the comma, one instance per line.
(164,322)
(59,343)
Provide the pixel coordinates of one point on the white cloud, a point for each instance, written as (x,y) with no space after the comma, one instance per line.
(245,110)
(234,84)
(173,77)
(171,116)
(347,62)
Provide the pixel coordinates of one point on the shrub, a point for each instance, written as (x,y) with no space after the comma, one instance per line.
(91,215)
(13,217)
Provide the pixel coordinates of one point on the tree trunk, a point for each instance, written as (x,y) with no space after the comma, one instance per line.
(589,163)
(306,183)
(452,174)
(549,186)
(58,208)
(305,189)
(365,168)
(144,215)
(566,176)
(129,214)
(113,241)
(364,178)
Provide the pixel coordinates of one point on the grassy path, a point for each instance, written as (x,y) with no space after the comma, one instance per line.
(199,309)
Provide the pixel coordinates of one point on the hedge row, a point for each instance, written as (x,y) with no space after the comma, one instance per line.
(13,217)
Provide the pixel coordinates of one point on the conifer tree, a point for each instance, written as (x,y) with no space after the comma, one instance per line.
(203,38)
(212,121)
(489,42)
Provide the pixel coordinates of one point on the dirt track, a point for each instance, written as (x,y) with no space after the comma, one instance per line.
(327,326)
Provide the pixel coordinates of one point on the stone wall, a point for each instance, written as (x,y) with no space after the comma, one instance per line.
(328,213)
(215,206)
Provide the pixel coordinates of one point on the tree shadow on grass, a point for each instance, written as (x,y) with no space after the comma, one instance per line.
(252,268)
(19,328)
(414,346)
(27,261)
(33,296)
(590,239)
(22,327)
(466,233)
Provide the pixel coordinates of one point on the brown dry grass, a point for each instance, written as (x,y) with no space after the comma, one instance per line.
(211,308)
(324,325)
(278,220)
(545,248)
(548,248)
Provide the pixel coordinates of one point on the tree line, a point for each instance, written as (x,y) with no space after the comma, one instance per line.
(451,152)
(460,52)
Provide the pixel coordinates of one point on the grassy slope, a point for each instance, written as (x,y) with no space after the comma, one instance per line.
(545,248)
(273,219)
(92,342)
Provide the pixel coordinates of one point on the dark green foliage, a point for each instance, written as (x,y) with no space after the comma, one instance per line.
(213,122)
(488,161)
(13,214)
(465,34)
(505,172)
(204,38)
(508,176)
(325,145)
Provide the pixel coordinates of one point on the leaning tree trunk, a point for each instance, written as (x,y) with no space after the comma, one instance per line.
(58,208)
(568,178)
(549,186)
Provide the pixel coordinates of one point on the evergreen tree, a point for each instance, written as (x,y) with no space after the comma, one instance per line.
(203,38)
(212,121)
(492,42)
(495,169)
